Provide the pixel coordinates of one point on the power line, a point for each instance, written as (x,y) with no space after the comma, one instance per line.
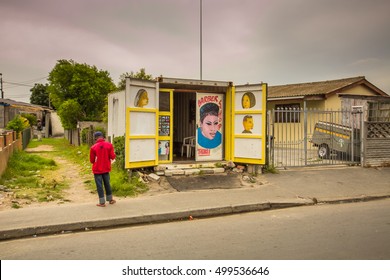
(18,84)
(27,83)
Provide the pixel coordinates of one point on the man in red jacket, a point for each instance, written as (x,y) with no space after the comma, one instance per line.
(100,155)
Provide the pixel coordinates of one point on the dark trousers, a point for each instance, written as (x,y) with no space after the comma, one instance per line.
(100,180)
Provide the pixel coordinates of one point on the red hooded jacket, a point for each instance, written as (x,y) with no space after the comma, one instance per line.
(100,155)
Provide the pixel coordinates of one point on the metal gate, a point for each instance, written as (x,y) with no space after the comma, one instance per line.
(307,137)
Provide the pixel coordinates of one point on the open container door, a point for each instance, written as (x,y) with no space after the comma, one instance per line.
(249,123)
(165,126)
(209,132)
(142,101)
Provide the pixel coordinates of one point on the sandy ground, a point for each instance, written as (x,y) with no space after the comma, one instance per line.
(77,191)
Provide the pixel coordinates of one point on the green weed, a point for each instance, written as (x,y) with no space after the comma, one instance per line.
(270,169)
(122,185)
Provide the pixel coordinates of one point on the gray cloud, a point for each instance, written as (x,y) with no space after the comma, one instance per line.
(279,42)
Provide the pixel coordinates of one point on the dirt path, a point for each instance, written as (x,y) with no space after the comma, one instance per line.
(67,172)
(77,191)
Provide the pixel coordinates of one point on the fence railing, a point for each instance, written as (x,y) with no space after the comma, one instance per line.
(307,137)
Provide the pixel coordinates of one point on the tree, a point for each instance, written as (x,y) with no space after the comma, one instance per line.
(141,74)
(82,83)
(40,95)
(70,112)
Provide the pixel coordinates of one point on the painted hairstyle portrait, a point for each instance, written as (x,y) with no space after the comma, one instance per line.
(248,100)
(141,99)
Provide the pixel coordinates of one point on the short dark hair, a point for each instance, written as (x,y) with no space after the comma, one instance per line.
(247,117)
(98,134)
(208,109)
(252,98)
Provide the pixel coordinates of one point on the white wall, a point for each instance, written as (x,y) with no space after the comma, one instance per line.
(116,114)
(56,126)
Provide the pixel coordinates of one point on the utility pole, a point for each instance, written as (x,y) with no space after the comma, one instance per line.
(1,86)
(201,39)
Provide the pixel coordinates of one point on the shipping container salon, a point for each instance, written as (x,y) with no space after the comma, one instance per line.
(182,121)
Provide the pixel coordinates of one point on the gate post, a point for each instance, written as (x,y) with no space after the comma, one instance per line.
(270,159)
(363,135)
(353,113)
(305,130)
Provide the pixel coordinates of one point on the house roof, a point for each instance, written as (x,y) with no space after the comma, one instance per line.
(23,105)
(320,89)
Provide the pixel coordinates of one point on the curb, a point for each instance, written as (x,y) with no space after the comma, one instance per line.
(353,199)
(169,217)
(144,219)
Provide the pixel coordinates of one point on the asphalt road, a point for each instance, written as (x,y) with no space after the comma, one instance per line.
(339,231)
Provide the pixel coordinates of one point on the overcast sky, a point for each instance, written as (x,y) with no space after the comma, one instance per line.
(273,41)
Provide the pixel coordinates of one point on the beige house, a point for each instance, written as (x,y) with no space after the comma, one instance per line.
(324,95)
(323,101)
(295,110)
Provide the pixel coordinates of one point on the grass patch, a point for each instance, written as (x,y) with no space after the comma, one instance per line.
(25,177)
(31,176)
(124,186)
(22,164)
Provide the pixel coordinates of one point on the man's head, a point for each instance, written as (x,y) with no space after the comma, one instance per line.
(98,134)
(248,123)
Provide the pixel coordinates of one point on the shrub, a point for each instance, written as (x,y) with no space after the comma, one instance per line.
(18,124)
(119,146)
(32,119)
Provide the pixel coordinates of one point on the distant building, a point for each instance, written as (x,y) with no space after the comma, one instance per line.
(323,95)
(10,108)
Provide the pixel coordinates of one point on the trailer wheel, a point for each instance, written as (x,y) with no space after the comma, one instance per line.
(323,151)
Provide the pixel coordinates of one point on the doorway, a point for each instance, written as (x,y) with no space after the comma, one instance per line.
(184,125)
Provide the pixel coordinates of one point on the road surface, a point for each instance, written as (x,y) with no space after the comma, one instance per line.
(339,231)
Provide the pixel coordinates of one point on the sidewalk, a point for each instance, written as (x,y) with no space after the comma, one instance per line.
(295,187)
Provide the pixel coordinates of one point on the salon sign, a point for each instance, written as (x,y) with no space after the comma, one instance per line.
(249,123)
(209,131)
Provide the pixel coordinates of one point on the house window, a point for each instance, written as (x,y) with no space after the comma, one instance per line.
(287,113)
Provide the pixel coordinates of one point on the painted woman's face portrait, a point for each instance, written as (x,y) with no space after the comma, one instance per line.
(143,100)
(210,126)
(246,102)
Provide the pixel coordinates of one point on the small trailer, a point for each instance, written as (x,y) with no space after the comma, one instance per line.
(331,138)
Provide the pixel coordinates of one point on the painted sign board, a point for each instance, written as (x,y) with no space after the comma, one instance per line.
(249,117)
(141,123)
(209,132)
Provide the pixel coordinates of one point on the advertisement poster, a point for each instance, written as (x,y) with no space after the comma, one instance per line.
(163,150)
(209,132)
